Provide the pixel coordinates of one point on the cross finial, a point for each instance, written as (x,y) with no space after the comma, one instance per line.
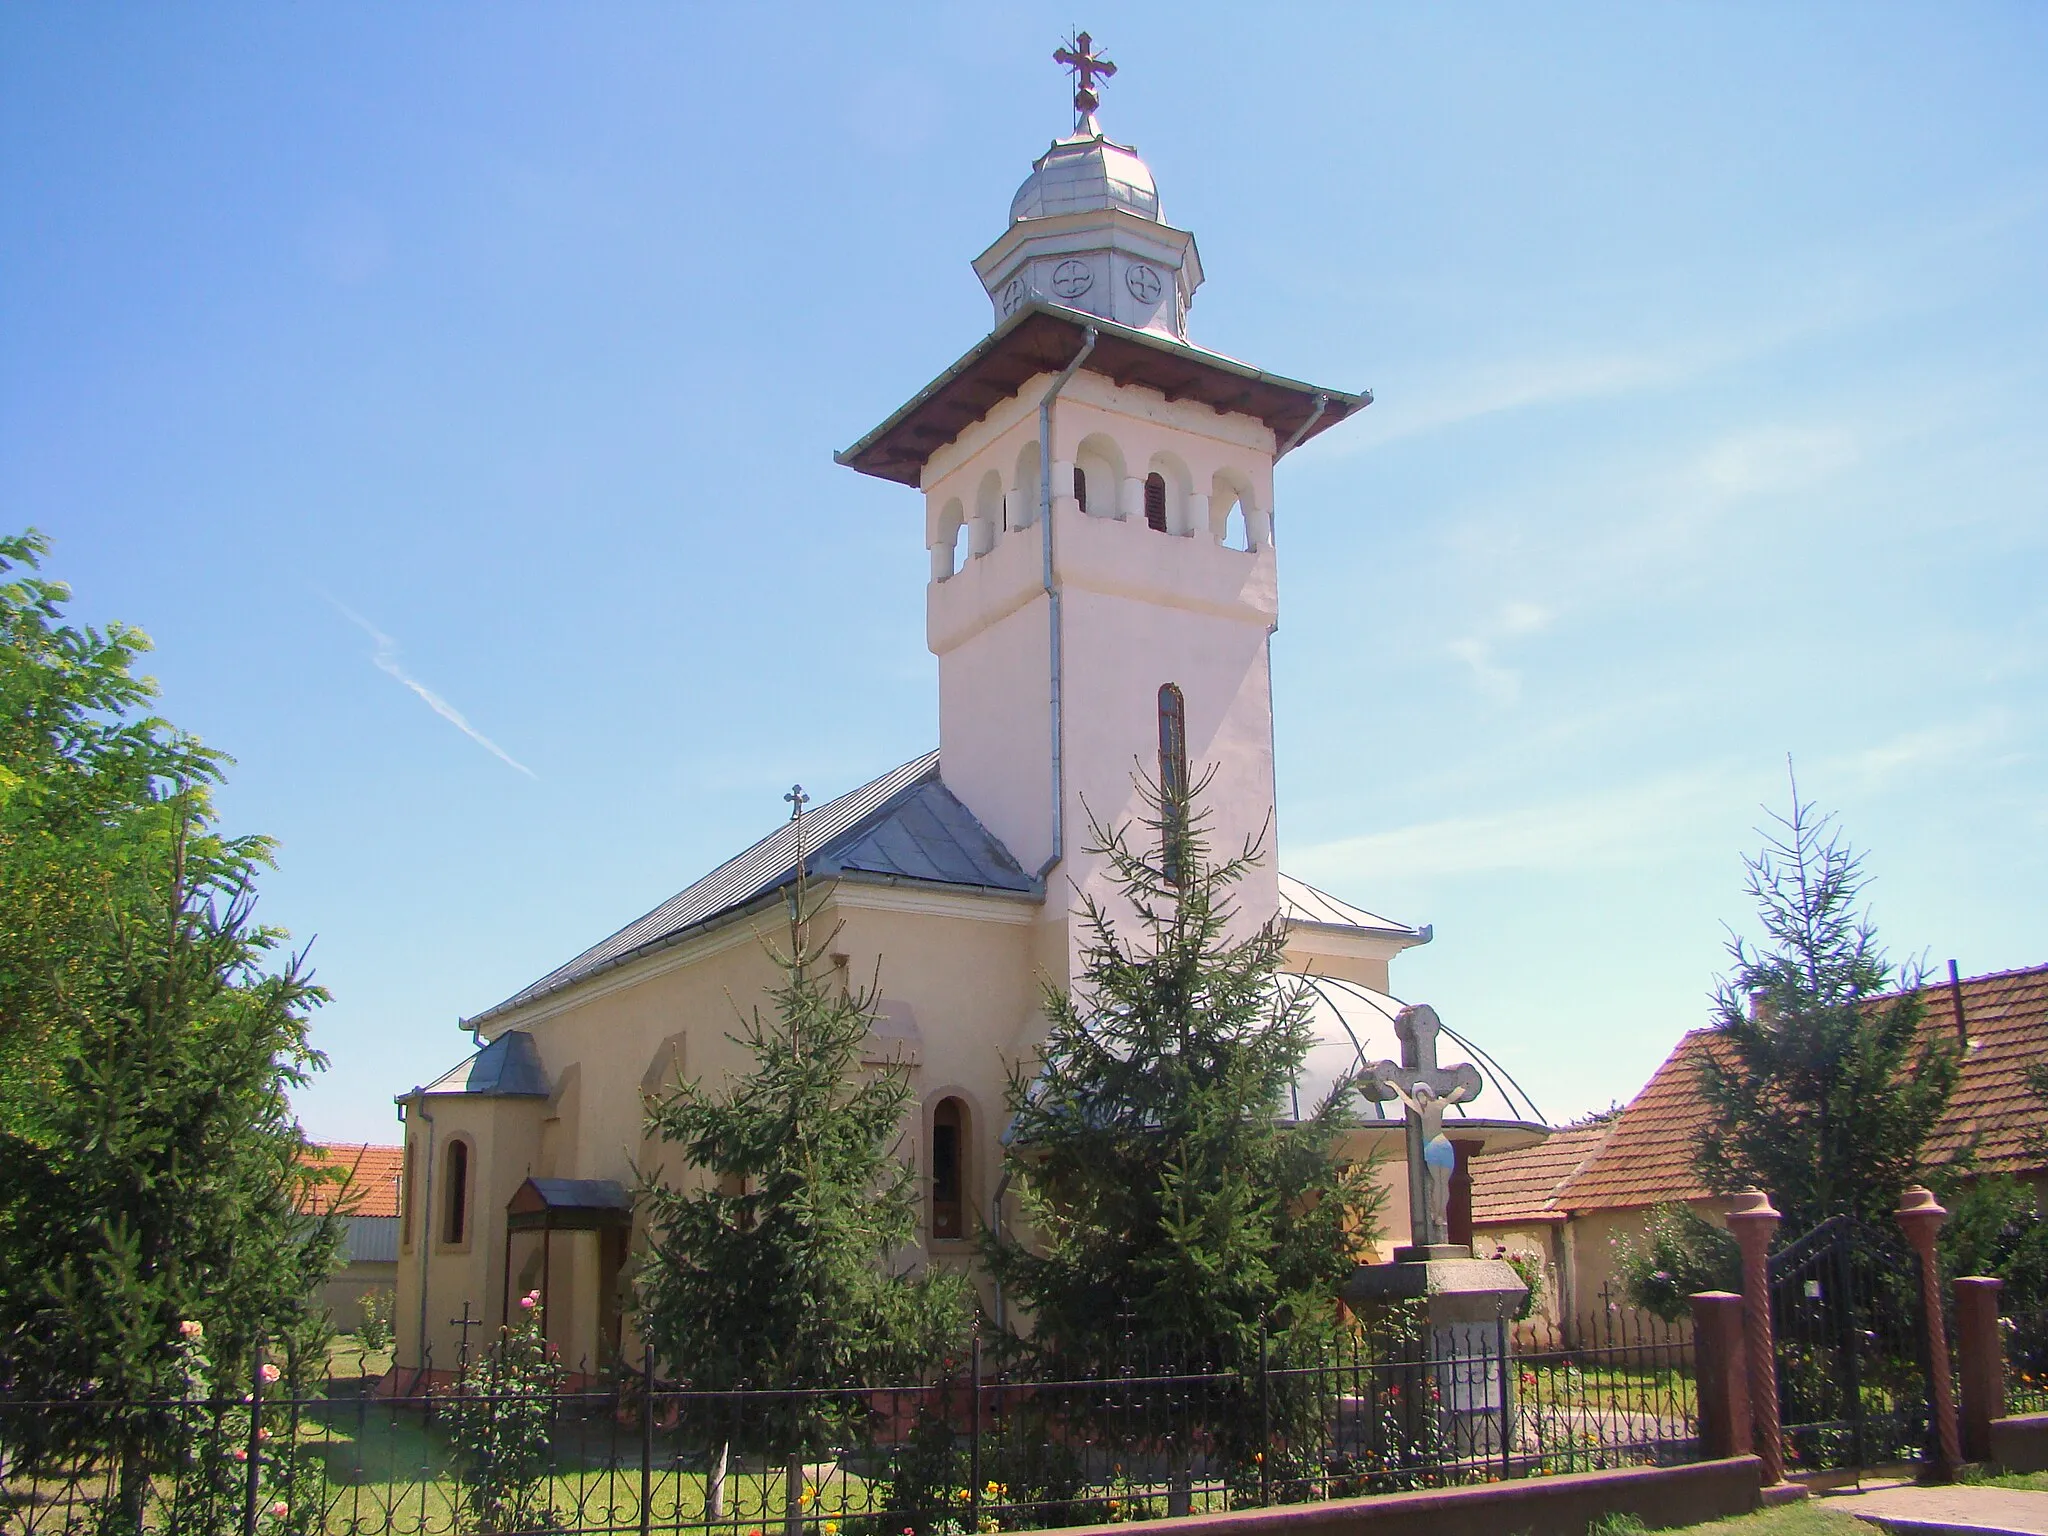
(1086,66)
(797,801)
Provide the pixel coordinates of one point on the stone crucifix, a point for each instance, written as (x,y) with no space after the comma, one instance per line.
(1425,1090)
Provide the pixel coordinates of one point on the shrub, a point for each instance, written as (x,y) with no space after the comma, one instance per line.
(500,1425)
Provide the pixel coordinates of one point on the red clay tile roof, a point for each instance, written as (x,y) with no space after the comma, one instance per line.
(1519,1187)
(373,1173)
(1647,1157)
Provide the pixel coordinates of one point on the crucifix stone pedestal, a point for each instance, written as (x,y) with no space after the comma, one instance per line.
(1466,1303)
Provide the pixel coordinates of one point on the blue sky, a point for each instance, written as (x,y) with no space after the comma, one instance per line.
(407,368)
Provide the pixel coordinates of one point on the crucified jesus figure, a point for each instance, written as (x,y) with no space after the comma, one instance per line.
(1425,1091)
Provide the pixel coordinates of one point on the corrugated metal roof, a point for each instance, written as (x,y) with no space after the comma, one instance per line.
(370,1240)
(904,825)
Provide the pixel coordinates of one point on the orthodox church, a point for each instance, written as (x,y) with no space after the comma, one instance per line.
(1100,522)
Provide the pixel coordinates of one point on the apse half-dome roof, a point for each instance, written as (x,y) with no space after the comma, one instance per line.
(1086,174)
(1354,1026)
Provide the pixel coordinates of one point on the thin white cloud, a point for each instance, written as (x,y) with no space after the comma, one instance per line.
(1642,824)
(385,658)
(1480,650)
(1636,824)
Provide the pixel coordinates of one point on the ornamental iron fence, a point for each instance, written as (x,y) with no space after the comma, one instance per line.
(981,1447)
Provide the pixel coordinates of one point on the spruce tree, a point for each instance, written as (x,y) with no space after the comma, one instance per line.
(1171,1205)
(781,1270)
(151,1172)
(1822,1090)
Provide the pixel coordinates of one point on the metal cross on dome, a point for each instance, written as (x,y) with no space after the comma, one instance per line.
(1085,65)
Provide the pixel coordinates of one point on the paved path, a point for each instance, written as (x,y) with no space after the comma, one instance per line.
(1905,1509)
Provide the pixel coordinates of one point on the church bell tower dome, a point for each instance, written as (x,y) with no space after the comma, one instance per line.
(1086,231)
(1086,174)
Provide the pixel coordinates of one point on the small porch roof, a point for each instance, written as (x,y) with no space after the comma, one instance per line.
(568,1205)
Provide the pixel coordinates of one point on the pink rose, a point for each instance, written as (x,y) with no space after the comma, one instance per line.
(280,1509)
(192,1328)
(269,1372)
(528,1302)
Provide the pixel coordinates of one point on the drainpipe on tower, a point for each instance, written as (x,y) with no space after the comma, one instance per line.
(1055,655)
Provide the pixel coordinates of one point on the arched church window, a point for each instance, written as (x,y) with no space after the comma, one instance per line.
(1080,488)
(1155,502)
(1173,769)
(457,1225)
(949,1169)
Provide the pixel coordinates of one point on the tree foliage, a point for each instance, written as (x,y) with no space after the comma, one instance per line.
(1824,1090)
(1169,1199)
(150,1167)
(781,1268)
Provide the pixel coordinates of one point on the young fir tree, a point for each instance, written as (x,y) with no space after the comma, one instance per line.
(780,1271)
(1172,1205)
(150,1168)
(1824,1091)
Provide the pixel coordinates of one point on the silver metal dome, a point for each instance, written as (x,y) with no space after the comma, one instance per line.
(1083,174)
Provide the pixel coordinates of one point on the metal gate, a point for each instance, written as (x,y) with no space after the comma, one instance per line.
(1852,1347)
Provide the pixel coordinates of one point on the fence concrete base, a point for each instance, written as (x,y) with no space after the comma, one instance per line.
(1660,1497)
(2019,1443)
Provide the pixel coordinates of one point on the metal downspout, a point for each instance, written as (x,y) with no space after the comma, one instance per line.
(996,1223)
(1055,650)
(1314,416)
(423,1231)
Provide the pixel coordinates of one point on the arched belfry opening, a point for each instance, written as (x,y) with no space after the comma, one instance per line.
(1155,502)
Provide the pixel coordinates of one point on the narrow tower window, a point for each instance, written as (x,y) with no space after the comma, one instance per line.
(1173,769)
(949,1127)
(458,1192)
(1155,502)
(1080,488)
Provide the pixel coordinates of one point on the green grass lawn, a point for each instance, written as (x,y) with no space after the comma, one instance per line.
(2027,1482)
(1804,1517)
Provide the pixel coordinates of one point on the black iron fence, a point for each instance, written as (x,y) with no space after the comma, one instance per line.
(2026,1360)
(980,1449)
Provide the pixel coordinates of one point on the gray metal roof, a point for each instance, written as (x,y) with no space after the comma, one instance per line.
(1301,902)
(905,825)
(509,1067)
(370,1239)
(582,1194)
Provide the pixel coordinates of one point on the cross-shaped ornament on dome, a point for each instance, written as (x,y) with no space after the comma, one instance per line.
(1425,1090)
(1085,65)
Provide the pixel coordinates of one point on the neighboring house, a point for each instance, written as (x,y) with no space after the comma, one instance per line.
(369,1202)
(1575,1196)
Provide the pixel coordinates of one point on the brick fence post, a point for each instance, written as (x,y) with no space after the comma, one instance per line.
(1980,1359)
(1753,1220)
(1721,1366)
(1920,1216)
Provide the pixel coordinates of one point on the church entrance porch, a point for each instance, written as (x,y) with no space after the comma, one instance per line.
(567,1238)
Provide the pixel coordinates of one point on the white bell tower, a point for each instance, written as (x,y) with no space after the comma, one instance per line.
(1099,525)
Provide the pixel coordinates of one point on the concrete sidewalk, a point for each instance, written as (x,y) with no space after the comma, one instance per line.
(1908,1509)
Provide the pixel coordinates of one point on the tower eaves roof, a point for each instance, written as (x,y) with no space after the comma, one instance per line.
(1043,338)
